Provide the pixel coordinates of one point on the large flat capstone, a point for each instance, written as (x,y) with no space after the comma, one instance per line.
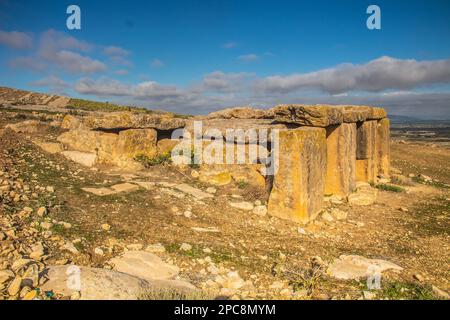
(308,115)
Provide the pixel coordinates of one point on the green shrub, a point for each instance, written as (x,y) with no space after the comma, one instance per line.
(389,187)
(149,162)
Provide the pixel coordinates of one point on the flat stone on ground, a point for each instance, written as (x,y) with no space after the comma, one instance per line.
(349,267)
(144,265)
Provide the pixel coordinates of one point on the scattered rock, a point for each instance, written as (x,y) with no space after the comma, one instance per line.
(338,214)
(356,267)
(440,293)
(185,247)
(144,265)
(327,217)
(197,193)
(156,248)
(41,212)
(260,210)
(106,227)
(5,275)
(211,190)
(99,251)
(103,284)
(418,277)
(135,246)
(14,286)
(244,205)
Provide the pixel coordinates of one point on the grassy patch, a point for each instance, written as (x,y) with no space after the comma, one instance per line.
(149,162)
(172,294)
(435,184)
(242,184)
(431,218)
(406,291)
(87,105)
(389,187)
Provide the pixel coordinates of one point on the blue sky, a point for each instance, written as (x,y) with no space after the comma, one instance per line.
(199,56)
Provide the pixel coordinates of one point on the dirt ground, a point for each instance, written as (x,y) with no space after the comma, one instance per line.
(409,228)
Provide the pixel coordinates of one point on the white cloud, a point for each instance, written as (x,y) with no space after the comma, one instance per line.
(50,81)
(110,87)
(121,72)
(225,82)
(16,39)
(376,76)
(28,63)
(248,57)
(156,63)
(75,63)
(115,51)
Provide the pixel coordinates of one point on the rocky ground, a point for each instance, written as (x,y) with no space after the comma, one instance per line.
(162,228)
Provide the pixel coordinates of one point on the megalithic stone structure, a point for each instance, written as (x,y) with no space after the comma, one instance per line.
(298,185)
(357,149)
(322,149)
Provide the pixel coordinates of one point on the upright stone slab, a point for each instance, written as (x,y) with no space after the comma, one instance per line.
(383,146)
(366,155)
(341,159)
(298,184)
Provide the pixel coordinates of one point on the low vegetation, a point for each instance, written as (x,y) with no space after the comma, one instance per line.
(87,105)
(389,187)
(406,291)
(149,162)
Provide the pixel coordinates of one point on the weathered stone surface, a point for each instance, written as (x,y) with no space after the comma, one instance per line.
(383,147)
(103,284)
(124,120)
(365,195)
(197,193)
(238,113)
(299,182)
(135,142)
(28,126)
(84,158)
(101,143)
(224,174)
(117,149)
(341,159)
(50,147)
(71,122)
(349,267)
(254,130)
(378,113)
(165,146)
(125,187)
(104,191)
(215,177)
(144,265)
(356,113)
(316,116)
(366,155)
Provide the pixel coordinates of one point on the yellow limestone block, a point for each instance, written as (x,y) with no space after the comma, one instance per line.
(366,155)
(298,184)
(341,159)
(383,147)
